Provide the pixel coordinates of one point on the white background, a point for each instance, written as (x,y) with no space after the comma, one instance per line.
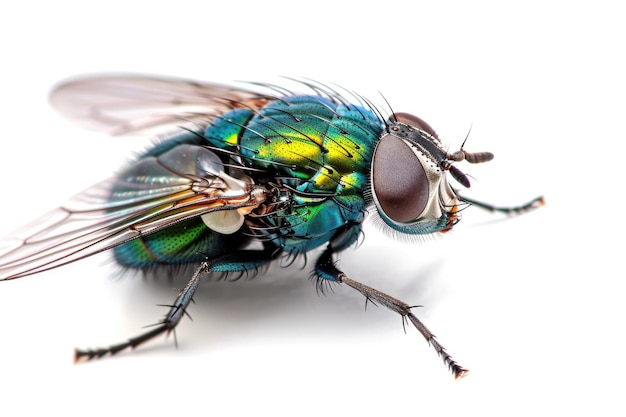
(532,305)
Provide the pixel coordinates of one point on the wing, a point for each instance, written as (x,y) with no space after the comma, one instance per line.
(149,195)
(122,104)
(153,192)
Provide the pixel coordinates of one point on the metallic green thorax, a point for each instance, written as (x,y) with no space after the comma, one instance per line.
(320,148)
(312,153)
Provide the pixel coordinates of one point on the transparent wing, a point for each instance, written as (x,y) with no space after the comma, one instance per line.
(123,104)
(151,194)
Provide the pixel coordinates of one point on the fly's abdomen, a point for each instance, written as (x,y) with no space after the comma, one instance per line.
(184,242)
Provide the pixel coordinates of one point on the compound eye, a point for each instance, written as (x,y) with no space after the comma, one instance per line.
(399,182)
(409,119)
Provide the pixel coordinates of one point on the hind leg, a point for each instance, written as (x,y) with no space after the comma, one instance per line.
(238,261)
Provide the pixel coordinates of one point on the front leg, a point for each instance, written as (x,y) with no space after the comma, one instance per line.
(325,269)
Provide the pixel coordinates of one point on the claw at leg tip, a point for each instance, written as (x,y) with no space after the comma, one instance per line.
(78,357)
(461,373)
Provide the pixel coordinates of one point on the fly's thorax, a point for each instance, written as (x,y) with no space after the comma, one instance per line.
(225,130)
(303,137)
(314,152)
(298,221)
(409,180)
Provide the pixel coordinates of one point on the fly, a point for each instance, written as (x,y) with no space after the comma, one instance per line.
(292,172)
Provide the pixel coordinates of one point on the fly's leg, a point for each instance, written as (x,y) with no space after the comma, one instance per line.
(325,269)
(523,208)
(167,325)
(240,261)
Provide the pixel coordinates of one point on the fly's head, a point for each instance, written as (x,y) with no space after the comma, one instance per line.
(409,181)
